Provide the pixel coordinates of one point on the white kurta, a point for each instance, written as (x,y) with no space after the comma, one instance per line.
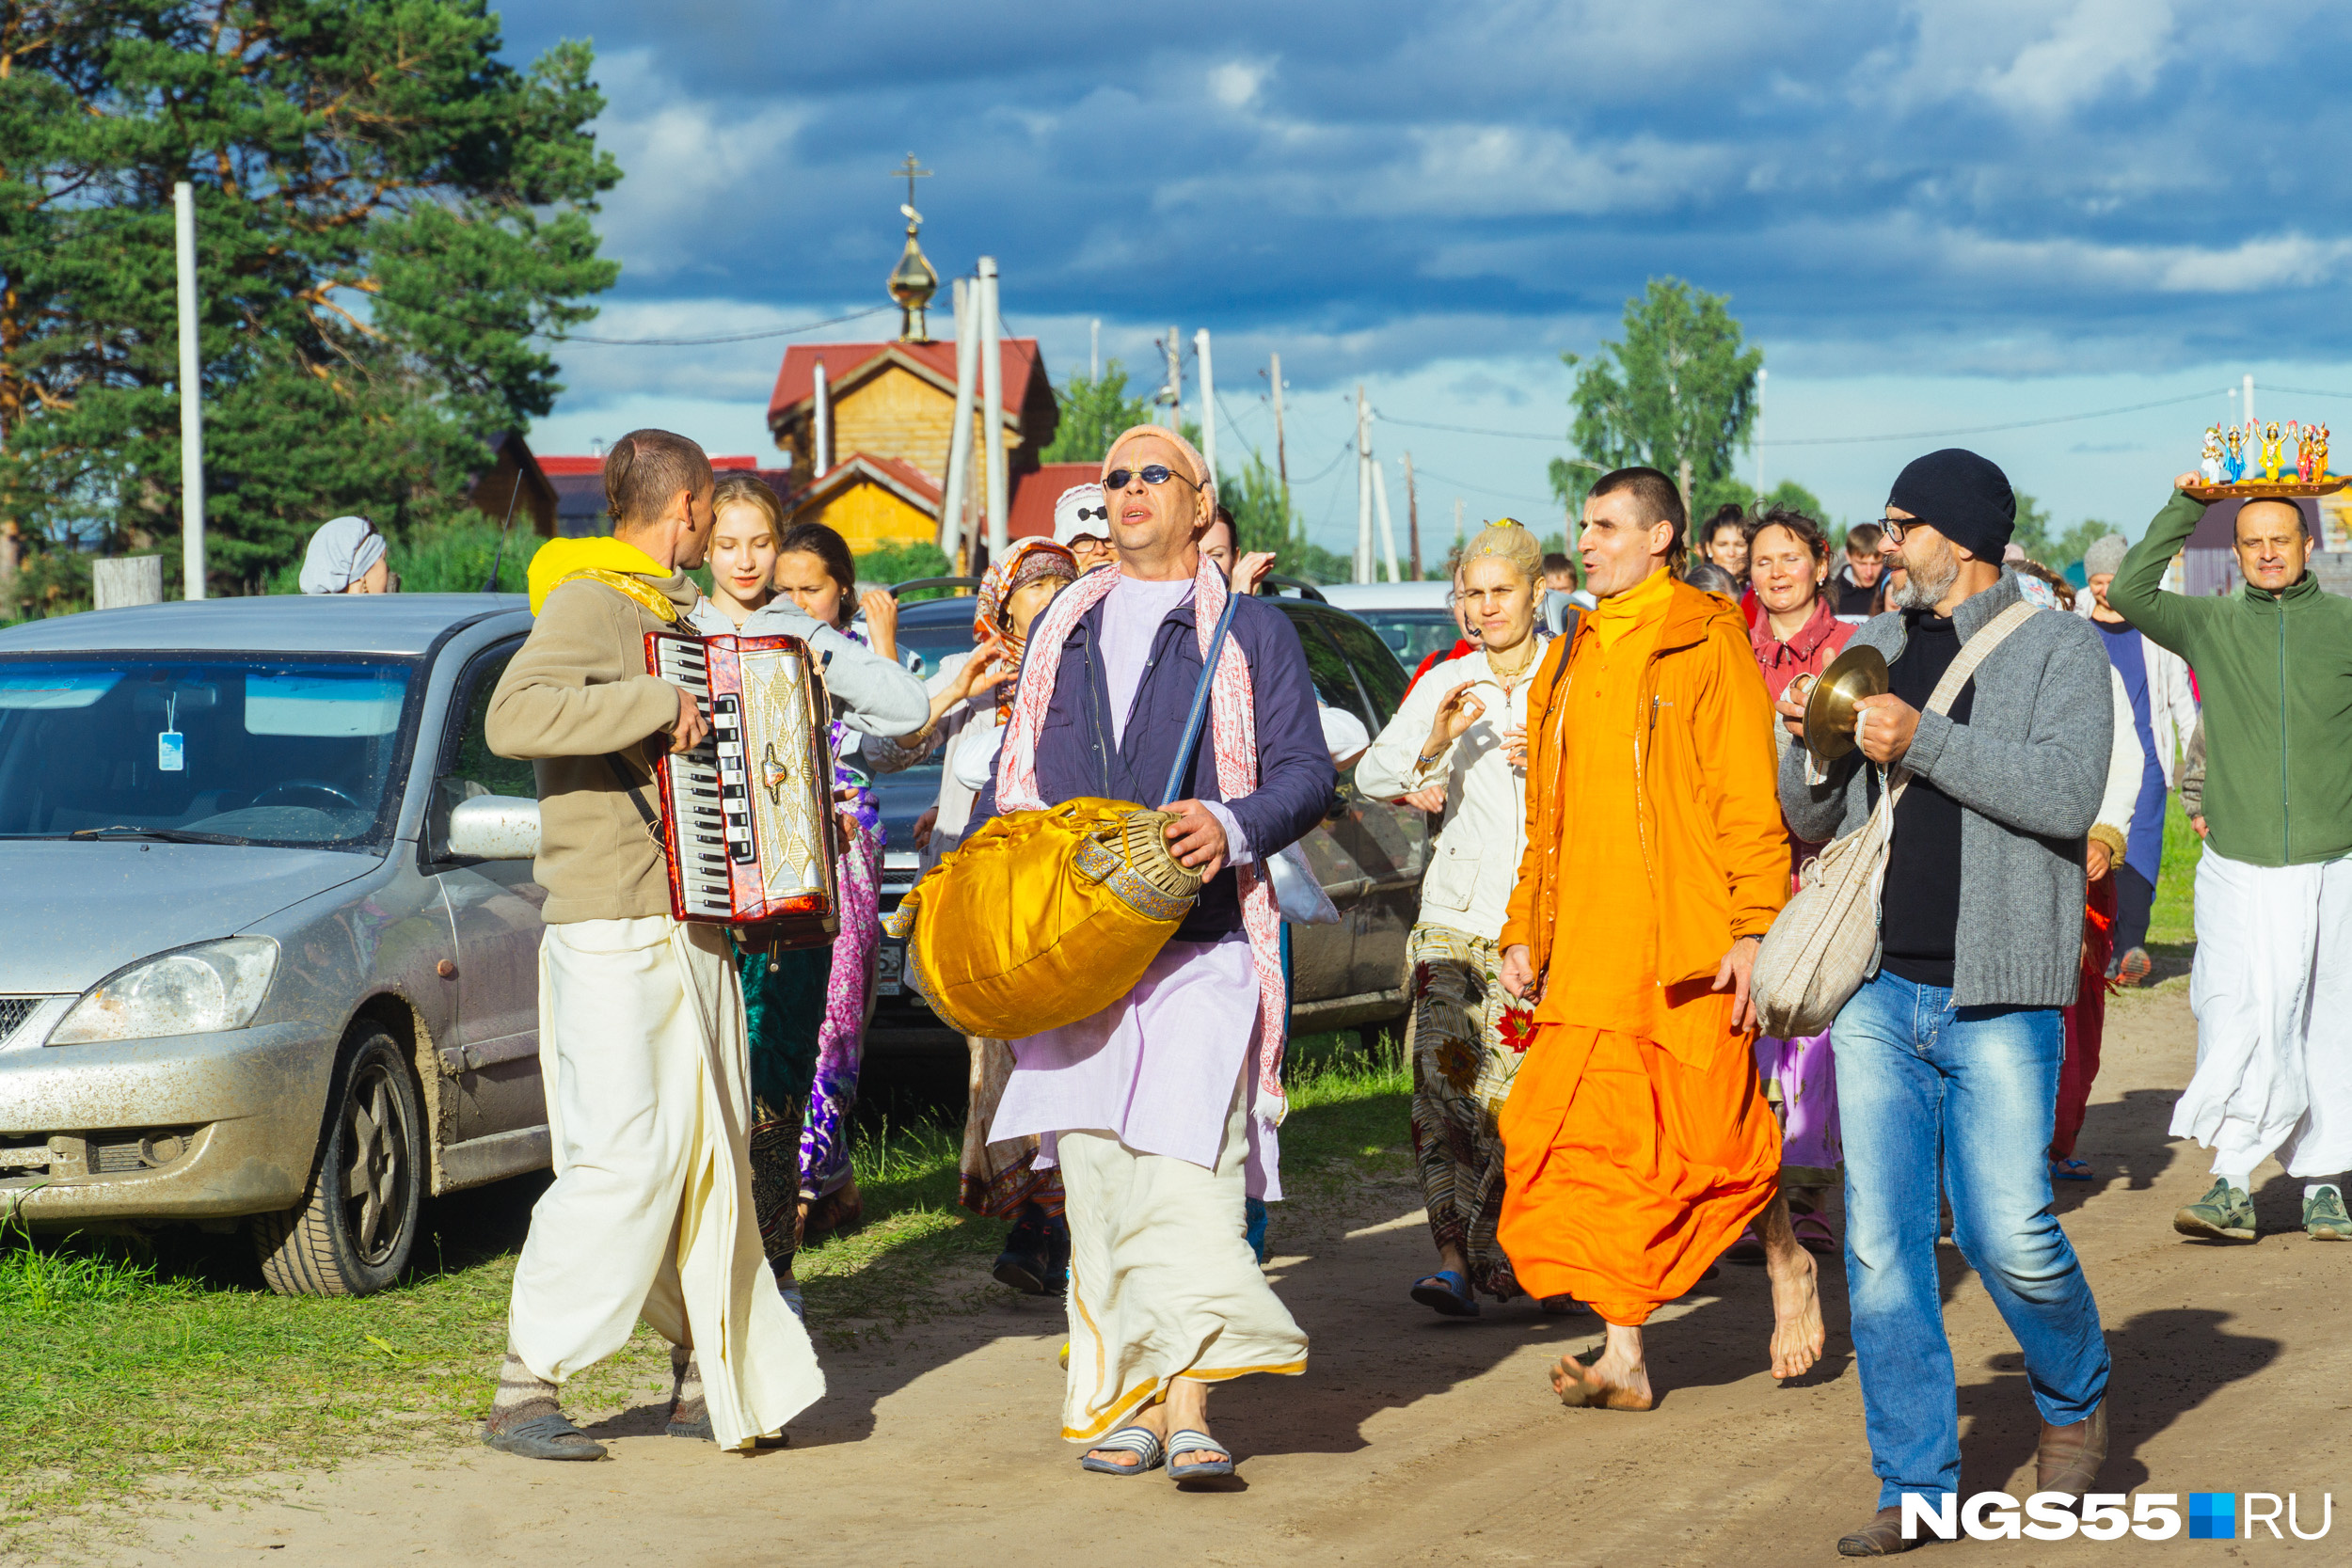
(2272,988)
(647,1069)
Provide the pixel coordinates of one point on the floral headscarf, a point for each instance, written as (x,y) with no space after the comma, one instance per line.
(1028,560)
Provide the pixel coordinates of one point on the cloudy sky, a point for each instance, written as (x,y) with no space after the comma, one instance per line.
(1933,217)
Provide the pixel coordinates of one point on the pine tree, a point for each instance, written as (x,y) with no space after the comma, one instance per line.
(391,224)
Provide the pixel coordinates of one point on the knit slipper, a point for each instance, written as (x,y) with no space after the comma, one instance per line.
(1189,1441)
(1447,1293)
(1140,1441)
(545,1437)
(2132,967)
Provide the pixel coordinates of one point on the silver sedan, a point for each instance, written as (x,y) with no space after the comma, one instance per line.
(269,953)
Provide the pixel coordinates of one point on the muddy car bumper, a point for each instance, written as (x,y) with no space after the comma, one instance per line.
(191,1127)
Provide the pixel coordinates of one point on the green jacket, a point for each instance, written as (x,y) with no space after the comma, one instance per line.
(2274,672)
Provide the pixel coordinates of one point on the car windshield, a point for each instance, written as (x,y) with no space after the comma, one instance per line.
(932,636)
(1413,635)
(242,749)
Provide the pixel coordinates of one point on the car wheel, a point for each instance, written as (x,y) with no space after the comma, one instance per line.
(353,1234)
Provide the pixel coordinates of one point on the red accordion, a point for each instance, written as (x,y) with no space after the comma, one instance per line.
(747,816)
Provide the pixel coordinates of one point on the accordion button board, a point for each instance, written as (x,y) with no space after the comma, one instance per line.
(747,816)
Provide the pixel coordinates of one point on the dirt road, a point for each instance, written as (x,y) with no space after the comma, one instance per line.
(1412,1440)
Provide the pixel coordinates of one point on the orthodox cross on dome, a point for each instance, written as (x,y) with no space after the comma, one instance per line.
(912,281)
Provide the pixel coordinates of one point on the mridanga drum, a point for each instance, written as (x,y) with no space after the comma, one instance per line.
(1042,918)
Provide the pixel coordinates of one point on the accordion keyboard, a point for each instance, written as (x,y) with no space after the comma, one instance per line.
(706,786)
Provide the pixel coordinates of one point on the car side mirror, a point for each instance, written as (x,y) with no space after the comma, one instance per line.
(494,828)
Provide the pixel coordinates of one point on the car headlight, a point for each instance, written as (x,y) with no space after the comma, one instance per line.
(194,991)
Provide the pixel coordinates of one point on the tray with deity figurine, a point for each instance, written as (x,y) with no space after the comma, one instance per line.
(2265,462)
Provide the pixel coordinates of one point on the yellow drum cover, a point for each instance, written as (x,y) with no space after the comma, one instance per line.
(1042,918)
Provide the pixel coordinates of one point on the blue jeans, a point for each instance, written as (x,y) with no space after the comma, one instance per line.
(1916,1077)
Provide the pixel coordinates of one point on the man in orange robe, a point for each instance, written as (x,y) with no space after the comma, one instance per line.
(1637,1142)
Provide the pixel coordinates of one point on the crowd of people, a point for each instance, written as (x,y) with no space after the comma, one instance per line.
(1625,804)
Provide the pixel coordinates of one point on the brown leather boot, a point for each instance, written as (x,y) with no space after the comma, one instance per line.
(1882,1537)
(2069,1456)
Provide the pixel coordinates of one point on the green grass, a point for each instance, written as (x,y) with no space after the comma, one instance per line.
(125,1365)
(2172,920)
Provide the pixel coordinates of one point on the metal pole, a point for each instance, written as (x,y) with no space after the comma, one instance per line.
(191,401)
(1208,404)
(1380,505)
(1281,453)
(1094,351)
(821,443)
(993,407)
(1412,515)
(1175,383)
(959,484)
(1760,434)
(2250,400)
(1364,492)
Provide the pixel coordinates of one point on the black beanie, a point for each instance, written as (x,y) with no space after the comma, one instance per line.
(1963,497)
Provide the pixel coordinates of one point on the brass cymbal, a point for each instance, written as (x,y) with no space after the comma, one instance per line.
(1828,707)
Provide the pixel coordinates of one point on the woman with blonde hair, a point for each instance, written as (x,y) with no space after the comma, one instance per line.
(1463,729)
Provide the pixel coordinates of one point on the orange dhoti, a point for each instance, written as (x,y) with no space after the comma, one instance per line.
(1631,1166)
(1637,1143)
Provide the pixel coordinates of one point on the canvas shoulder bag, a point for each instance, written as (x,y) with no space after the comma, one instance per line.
(1823,945)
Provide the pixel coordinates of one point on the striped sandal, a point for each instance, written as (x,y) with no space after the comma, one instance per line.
(1188,1441)
(1140,1441)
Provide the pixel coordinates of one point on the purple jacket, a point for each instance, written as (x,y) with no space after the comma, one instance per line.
(1295,780)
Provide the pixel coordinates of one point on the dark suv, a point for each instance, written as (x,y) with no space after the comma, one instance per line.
(1369,855)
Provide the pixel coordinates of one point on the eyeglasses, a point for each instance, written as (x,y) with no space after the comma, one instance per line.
(1893,527)
(1150,473)
(1102,512)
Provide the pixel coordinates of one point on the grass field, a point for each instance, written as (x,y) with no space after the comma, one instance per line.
(125,1365)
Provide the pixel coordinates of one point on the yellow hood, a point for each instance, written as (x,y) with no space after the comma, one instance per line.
(559,559)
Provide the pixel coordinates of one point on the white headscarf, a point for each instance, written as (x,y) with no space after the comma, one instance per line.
(341,554)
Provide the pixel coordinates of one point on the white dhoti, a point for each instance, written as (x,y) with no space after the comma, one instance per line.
(2272,988)
(1162,1283)
(642,1049)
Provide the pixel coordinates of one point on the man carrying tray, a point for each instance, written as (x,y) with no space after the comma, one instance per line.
(641,1021)
(1161,1108)
(2271,987)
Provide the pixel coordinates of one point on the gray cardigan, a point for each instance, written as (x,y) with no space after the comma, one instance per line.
(2027,769)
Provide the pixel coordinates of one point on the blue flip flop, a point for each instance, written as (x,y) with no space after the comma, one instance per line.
(1189,1441)
(1140,1441)
(2071,1170)
(1447,1293)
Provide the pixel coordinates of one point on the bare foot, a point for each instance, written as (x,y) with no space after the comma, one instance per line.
(1797,1332)
(1617,1379)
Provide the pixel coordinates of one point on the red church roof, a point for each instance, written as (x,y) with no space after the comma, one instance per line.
(796,382)
(1031,509)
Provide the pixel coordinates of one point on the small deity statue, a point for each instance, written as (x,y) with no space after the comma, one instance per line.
(2319,453)
(2274,456)
(2234,464)
(2305,440)
(2210,460)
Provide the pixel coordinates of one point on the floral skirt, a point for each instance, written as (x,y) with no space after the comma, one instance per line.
(999,1178)
(1464,1038)
(841,1038)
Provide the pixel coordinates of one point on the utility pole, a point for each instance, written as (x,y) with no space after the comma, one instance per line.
(1380,503)
(1682,482)
(2249,401)
(1208,406)
(1761,375)
(192,400)
(956,502)
(1363,491)
(1457,526)
(993,407)
(1173,394)
(1281,453)
(1412,515)
(1094,351)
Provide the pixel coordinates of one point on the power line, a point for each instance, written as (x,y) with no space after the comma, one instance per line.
(1470,430)
(2014,424)
(2302,391)
(722,338)
(1485,489)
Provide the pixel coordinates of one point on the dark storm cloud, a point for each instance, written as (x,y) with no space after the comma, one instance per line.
(1988,186)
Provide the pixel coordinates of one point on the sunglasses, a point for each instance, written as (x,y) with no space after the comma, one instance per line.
(1104,513)
(1150,473)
